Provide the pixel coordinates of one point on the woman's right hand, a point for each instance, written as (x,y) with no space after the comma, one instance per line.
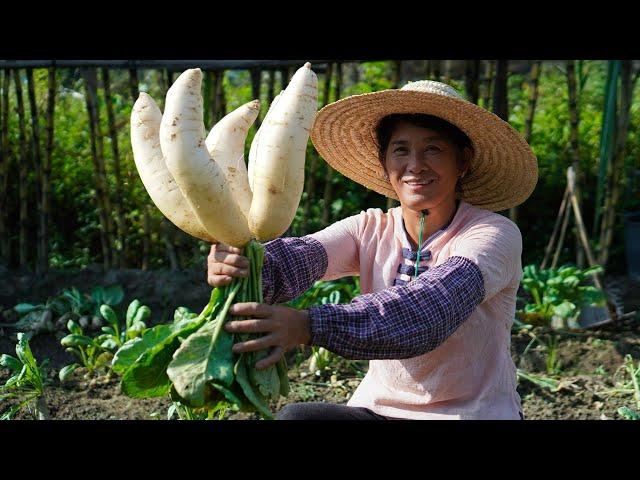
(225,262)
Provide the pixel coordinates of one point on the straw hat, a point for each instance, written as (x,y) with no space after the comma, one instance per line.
(503,171)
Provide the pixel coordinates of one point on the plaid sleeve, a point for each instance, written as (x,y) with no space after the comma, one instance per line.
(402,321)
(291,266)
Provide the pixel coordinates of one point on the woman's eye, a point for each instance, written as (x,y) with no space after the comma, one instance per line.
(432,148)
(400,150)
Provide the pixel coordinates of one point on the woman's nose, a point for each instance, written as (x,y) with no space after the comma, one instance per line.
(416,163)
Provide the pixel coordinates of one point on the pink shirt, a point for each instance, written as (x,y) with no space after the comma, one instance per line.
(469,376)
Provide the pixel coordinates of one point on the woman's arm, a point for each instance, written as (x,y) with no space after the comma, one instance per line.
(293,264)
(411,320)
(403,321)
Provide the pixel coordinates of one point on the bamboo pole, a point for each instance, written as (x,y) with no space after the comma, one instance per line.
(46,169)
(397,74)
(4,170)
(37,165)
(472,70)
(621,133)
(571,180)
(101,194)
(22,175)
(486,101)
(311,177)
(563,230)
(328,186)
(574,119)
(559,217)
(120,220)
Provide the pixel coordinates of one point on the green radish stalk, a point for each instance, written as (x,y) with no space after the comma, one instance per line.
(225,144)
(200,178)
(159,183)
(278,169)
(256,139)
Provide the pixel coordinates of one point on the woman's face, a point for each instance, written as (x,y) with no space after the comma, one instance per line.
(422,166)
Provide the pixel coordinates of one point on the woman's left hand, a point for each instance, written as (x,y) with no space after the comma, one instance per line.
(285,329)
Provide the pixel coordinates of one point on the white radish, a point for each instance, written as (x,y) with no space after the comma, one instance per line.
(159,183)
(256,139)
(225,144)
(200,178)
(278,169)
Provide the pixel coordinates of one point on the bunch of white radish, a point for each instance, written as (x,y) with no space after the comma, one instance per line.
(202,184)
(204,187)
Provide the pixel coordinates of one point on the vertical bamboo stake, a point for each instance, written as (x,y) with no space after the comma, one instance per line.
(271,86)
(563,230)
(397,71)
(561,214)
(46,169)
(311,177)
(120,221)
(37,165)
(571,182)
(486,101)
(328,186)
(472,70)
(22,175)
(101,194)
(256,80)
(621,133)
(574,118)
(4,169)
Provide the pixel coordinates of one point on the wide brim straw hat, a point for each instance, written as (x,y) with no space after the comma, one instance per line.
(503,171)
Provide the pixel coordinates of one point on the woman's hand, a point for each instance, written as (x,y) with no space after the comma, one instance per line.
(285,329)
(225,262)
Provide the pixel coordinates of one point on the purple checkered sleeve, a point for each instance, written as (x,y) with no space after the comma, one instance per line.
(291,266)
(402,321)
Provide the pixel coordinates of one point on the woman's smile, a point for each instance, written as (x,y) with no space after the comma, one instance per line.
(417,185)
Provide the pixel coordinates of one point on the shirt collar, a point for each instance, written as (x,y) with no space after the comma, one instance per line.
(435,234)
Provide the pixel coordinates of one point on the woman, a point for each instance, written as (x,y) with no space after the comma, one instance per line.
(434,321)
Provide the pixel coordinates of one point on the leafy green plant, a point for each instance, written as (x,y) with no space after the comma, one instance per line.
(345,290)
(115,336)
(192,359)
(559,295)
(628,414)
(26,385)
(89,304)
(93,352)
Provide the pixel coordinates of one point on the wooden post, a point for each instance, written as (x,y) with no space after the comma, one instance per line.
(617,163)
(397,70)
(328,186)
(472,71)
(271,87)
(580,224)
(37,165)
(22,178)
(486,101)
(46,169)
(574,119)
(96,153)
(311,177)
(120,220)
(256,80)
(4,170)
(561,214)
